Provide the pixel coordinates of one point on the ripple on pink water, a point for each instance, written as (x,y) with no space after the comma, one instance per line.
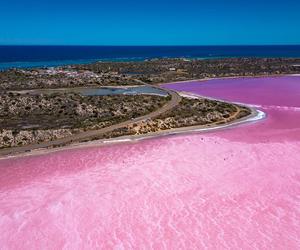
(234,189)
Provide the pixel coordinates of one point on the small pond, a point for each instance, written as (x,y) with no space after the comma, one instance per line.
(94,91)
(123,91)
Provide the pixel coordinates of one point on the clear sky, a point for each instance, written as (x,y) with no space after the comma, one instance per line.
(151,22)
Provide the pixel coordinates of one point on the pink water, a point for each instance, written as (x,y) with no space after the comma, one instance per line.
(233,189)
(278,97)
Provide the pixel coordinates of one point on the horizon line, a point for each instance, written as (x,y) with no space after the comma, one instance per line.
(180,45)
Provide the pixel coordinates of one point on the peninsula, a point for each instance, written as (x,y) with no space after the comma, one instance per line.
(52,107)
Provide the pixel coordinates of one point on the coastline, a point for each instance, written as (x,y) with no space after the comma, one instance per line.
(255,116)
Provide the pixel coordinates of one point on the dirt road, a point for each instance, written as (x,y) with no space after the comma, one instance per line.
(175,99)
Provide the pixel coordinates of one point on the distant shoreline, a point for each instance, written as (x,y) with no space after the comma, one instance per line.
(37,56)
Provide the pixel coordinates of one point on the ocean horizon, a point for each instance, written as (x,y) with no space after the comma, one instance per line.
(29,56)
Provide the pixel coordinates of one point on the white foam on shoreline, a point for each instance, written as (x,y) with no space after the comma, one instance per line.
(285,108)
(117,140)
(260,115)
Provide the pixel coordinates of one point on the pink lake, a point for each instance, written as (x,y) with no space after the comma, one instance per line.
(237,188)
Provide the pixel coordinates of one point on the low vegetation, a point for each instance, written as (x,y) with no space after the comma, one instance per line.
(151,71)
(168,70)
(16,79)
(190,112)
(34,118)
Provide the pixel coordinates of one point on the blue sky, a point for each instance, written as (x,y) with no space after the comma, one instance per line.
(152,22)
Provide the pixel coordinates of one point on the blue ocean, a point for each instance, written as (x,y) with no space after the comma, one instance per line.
(48,56)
